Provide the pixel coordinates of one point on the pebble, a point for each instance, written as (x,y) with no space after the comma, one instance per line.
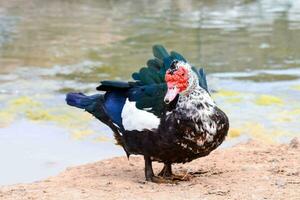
(295,143)
(280,183)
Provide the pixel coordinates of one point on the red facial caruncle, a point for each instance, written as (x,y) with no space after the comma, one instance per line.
(179,78)
(177,82)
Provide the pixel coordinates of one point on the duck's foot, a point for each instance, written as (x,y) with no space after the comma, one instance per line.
(167,177)
(166,173)
(162,180)
(181,177)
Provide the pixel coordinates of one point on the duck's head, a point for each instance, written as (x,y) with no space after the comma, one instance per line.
(180,79)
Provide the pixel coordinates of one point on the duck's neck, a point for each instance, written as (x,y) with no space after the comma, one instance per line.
(196,103)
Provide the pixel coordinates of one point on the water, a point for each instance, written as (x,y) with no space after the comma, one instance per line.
(250,49)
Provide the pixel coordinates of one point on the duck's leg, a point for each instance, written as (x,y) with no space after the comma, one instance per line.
(166,173)
(148,169)
(150,175)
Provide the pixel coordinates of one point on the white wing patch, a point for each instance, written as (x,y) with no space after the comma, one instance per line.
(136,119)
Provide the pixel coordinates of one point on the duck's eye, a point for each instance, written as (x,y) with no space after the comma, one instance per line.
(174,65)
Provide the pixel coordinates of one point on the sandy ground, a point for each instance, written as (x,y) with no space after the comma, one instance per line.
(247,171)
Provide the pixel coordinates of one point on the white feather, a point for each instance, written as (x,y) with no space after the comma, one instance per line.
(136,119)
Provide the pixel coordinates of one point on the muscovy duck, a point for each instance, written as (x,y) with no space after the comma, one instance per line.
(166,114)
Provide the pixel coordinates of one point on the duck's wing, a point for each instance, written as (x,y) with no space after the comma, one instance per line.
(202,79)
(148,89)
(151,87)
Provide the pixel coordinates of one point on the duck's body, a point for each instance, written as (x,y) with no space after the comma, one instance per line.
(189,126)
(192,130)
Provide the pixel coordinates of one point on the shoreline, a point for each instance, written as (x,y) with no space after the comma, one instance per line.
(251,170)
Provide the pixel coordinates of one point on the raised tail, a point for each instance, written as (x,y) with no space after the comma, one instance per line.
(94,104)
(82,101)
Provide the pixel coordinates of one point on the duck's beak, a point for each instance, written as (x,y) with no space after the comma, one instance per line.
(171,94)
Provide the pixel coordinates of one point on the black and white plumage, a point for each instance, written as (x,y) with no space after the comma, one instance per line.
(166,115)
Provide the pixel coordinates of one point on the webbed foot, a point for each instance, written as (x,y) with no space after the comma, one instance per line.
(166,173)
(162,180)
(181,177)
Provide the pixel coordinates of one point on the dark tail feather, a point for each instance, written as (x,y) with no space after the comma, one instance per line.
(82,101)
(94,105)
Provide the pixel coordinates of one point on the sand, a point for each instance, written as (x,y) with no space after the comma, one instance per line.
(252,170)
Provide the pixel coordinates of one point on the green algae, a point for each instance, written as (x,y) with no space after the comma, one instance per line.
(287,115)
(234,133)
(234,100)
(296,87)
(227,93)
(81,134)
(229,96)
(295,111)
(264,77)
(266,100)
(6,118)
(261,132)
(34,110)
(38,115)
(25,101)
(103,139)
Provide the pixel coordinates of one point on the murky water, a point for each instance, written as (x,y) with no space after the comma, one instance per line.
(251,50)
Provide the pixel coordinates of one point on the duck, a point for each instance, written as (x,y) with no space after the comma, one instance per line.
(165,113)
